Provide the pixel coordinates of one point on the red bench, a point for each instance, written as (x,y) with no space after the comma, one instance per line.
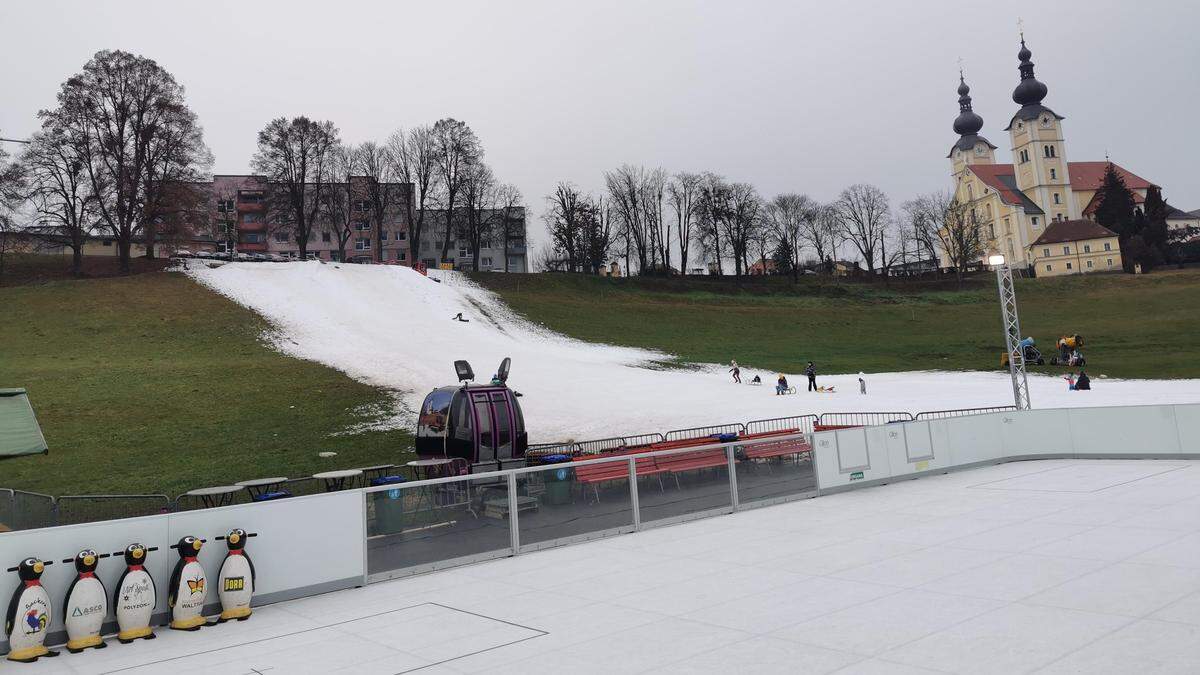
(691,461)
(603,472)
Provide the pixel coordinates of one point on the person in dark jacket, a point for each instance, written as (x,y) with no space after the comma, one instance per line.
(810,371)
(1083,382)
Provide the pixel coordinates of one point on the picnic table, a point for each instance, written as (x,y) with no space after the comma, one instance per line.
(218,495)
(260,486)
(336,480)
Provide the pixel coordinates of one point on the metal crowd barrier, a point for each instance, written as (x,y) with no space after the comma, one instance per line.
(862,419)
(703,432)
(962,412)
(72,509)
(802,423)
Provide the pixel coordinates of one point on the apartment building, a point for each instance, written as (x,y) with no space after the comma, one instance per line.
(503,249)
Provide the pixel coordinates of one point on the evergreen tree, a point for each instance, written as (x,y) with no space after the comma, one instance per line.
(1154,230)
(783,257)
(1116,209)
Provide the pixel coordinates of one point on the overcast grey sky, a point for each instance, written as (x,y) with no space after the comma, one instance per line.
(790,96)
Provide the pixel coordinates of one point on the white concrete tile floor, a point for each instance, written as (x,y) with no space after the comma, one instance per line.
(1052,566)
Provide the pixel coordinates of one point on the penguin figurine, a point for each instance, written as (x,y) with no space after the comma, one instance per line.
(29,615)
(86,604)
(189,587)
(235,582)
(135,596)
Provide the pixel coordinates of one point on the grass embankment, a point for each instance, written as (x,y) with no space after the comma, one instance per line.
(1133,326)
(153,384)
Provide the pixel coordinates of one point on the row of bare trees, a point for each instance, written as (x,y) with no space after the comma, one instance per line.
(324,184)
(652,220)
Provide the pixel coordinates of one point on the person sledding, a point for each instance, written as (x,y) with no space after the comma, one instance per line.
(735,371)
(459,317)
(756,380)
(781,385)
(1083,382)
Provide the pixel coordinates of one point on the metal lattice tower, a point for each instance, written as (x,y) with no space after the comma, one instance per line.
(1012,337)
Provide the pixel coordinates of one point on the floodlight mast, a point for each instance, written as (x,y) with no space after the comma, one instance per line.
(1012,331)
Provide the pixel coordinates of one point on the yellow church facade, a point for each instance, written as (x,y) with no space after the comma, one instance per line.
(1033,210)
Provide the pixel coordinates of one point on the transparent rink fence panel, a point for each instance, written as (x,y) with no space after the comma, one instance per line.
(426,525)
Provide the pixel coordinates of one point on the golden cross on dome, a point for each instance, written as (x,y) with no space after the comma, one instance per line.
(960,66)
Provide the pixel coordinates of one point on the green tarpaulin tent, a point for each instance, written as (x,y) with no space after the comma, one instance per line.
(19,430)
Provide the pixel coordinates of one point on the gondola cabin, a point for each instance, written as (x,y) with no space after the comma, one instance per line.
(480,423)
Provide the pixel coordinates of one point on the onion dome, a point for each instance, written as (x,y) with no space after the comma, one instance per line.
(1029,91)
(968,121)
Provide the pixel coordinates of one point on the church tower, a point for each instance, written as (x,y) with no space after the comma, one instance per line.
(1039,150)
(970,148)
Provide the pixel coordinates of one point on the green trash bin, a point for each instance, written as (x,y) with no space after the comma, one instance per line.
(389,506)
(558,480)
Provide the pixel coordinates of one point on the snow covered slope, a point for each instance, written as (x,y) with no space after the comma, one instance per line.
(392,327)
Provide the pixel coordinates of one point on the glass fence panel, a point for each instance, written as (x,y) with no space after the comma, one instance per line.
(676,485)
(773,469)
(570,499)
(419,525)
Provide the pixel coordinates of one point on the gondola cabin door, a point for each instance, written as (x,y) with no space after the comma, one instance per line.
(494,425)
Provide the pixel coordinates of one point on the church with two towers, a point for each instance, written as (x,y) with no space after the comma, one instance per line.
(1036,212)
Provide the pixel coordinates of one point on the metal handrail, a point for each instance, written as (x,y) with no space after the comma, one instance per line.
(678,434)
(962,412)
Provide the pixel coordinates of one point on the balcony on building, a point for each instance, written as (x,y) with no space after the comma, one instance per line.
(251,201)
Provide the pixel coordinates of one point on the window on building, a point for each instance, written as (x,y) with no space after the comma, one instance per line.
(108,242)
(485,243)
(1049,268)
(1110,262)
(437,244)
(362,205)
(1035,221)
(326,237)
(362,244)
(401,235)
(1066,250)
(1057,198)
(1006,226)
(1068,265)
(1059,217)
(464,252)
(1089,264)
(383,235)
(1053,174)
(1107,246)
(1012,252)
(361,226)
(1048,151)
(1087,248)
(485,262)
(991,231)
(401,255)
(249,218)
(225,205)
(250,197)
(1045,253)
(281,237)
(256,238)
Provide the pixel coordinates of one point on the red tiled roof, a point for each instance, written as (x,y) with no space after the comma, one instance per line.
(990,175)
(1073,230)
(1089,176)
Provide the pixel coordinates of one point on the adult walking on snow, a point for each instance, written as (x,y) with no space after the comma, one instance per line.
(811,372)
(737,372)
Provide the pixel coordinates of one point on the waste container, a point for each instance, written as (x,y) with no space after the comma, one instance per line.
(270,496)
(389,505)
(558,481)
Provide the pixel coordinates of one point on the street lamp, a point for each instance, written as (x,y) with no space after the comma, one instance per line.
(1012,331)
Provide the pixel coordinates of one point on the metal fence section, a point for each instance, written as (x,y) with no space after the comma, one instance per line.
(800,423)
(962,412)
(861,419)
(704,432)
(643,439)
(6,510)
(31,510)
(72,509)
(599,445)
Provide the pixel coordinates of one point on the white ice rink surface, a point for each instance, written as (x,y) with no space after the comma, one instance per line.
(1059,566)
(392,327)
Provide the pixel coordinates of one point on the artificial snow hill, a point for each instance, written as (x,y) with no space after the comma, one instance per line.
(392,327)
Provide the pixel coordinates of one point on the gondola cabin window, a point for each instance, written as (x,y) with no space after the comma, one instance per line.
(483,416)
(503,426)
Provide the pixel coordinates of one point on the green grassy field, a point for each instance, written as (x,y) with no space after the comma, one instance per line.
(153,384)
(1133,326)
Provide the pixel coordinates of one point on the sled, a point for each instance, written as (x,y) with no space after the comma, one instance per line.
(789,390)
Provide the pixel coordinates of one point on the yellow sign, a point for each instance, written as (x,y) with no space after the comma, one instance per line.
(235,583)
(446,266)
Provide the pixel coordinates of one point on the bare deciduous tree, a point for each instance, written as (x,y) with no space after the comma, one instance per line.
(683,194)
(512,223)
(414,155)
(135,137)
(821,232)
(566,210)
(341,206)
(296,156)
(456,149)
(379,189)
(627,192)
(789,216)
(482,220)
(955,227)
(863,212)
(59,191)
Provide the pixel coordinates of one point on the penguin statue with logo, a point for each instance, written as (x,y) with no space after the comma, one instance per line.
(235,582)
(135,596)
(28,618)
(86,604)
(189,587)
